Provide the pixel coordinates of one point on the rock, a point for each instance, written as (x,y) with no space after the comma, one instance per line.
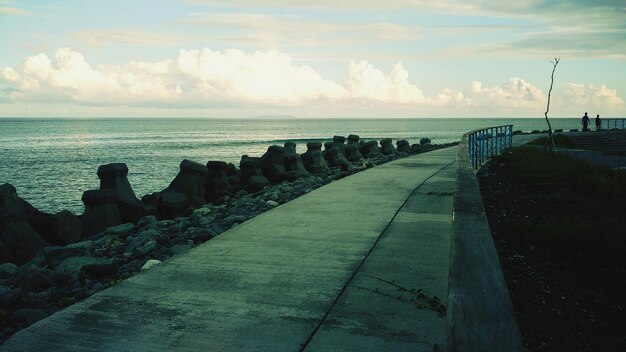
(257,183)
(313,159)
(216,184)
(202,236)
(34,278)
(386,146)
(574,130)
(271,203)
(558,130)
(149,264)
(102,271)
(369,149)
(424,141)
(403,146)
(335,158)
(55,255)
(294,168)
(113,177)
(202,211)
(338,143)
(146,221)
(247,167)
(353,153)
(3,291)
(75,264)
(172,204)
(235,219)
(272,164)
(516,132)
(119,230)
(190,181)
(19,240)
(101,211)
(60,229)
(353,139)
(7,270)
(535,131)
(148,247)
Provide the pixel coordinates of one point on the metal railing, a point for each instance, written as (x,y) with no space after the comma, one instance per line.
(609,124)
(487,142)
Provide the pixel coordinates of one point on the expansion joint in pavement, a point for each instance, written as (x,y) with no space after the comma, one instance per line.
(369,252)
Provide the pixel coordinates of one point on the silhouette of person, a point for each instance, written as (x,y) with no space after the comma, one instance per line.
(598,122)
(585,122)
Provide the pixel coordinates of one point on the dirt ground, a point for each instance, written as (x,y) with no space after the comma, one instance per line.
(561,303)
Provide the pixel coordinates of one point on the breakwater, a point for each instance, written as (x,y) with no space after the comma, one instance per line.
(120,234)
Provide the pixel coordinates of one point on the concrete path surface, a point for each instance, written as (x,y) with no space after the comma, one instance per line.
(358,265)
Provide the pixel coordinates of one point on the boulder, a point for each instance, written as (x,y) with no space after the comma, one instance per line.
(335,158)
(353,139)
(339,143)
(386,146)
(54,255)
(313,160)
(272,164)
(172,204)
(424,141)
(190,182)
(216,183)
(370,149)
(352,152)
(60,229)
(101,211)
(247,165)
(149,264)
(403,146)
(115,176)
(294,168)
(7,270)
(257,183)
(18,239)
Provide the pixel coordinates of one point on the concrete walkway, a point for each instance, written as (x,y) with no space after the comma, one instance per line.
(357,265)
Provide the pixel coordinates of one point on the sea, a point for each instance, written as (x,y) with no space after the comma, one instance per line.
(52,161)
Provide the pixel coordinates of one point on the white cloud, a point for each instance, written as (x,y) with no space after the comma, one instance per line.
(273,31)
(13,11)
(593,98)
(516,93)
(197,79)
(97,37)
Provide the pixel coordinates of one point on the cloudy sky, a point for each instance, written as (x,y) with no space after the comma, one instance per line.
(323,58)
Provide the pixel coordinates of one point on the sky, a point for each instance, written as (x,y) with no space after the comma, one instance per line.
(323,58)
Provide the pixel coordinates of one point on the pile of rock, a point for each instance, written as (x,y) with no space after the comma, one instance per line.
(51,261)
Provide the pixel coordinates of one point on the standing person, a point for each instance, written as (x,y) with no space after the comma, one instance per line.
(598,122)
(585,123)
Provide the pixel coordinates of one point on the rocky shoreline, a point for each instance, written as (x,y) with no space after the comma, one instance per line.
(56,260)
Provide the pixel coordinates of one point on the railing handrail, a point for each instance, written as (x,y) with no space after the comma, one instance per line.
(618,123)
(486,142)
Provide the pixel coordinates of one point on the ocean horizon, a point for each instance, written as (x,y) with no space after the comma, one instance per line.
(52,161)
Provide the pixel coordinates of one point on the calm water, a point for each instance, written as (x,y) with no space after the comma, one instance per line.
(52,162)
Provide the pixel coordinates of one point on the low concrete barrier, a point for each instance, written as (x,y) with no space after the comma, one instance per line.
(480,313)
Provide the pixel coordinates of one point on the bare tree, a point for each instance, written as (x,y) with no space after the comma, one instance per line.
(550,140)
